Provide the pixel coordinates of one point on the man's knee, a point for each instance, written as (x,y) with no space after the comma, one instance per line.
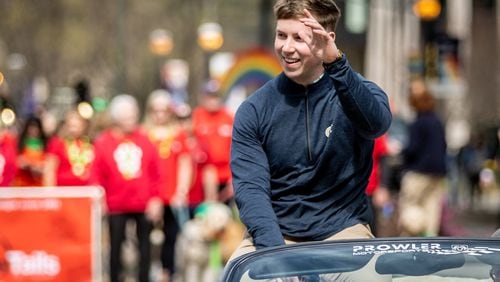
(246,246)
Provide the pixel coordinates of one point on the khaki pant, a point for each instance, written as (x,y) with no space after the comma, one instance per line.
(420,204)
(358,231)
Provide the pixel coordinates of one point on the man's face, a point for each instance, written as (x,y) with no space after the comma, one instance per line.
(295,57)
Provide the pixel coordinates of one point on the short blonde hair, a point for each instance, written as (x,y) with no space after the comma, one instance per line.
(326,12)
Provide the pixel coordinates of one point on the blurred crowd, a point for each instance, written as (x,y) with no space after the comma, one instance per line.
(420,186)
(165,173)
(167,182)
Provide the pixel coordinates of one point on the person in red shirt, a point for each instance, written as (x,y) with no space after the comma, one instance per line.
(212,126)
(205,182)
(8,155)
(170,138)
(380,150)
(69,153)
(127,166)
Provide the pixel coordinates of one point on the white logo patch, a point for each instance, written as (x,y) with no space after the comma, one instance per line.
(328,131)
(128,158)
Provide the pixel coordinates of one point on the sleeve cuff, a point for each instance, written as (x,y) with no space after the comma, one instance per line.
(330,66)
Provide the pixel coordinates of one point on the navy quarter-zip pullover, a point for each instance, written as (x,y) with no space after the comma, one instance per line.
(301,156)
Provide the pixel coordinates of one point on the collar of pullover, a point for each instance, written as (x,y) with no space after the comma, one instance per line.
(289,87)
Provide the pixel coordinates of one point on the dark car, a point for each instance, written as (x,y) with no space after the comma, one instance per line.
(385,259)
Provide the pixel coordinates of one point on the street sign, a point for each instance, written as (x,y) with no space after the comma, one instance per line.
(50,234)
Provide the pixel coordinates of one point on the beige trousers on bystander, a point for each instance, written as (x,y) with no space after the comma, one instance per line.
(420,204)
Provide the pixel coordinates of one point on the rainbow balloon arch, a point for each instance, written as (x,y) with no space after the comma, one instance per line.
(252,69)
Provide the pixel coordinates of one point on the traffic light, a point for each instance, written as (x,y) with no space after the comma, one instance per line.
(427,10)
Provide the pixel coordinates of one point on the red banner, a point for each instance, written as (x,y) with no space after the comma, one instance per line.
(50,234)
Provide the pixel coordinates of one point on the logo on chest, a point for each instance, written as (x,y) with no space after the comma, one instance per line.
(328,131)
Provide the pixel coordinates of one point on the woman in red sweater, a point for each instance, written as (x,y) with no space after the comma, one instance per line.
(126,164)
(168,135)
(69,154)
(8,155)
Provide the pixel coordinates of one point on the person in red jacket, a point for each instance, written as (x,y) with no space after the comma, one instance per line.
(127,166)
(69,153)
(212,126)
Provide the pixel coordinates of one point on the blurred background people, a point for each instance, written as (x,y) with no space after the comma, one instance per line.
(205,185)
(207,241)
(212,127)
(471,159)
(423,184)
(175,78)
(127,165)
(212,234)
(8,154)
(204,182)
(170,139)
(375,192)
(8,151)
(69,153)
(31,147)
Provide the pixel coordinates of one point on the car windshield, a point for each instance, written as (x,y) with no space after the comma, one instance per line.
(438,259)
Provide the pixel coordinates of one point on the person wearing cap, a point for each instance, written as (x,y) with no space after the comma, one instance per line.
(212,127)
(127,166)
(302,144)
